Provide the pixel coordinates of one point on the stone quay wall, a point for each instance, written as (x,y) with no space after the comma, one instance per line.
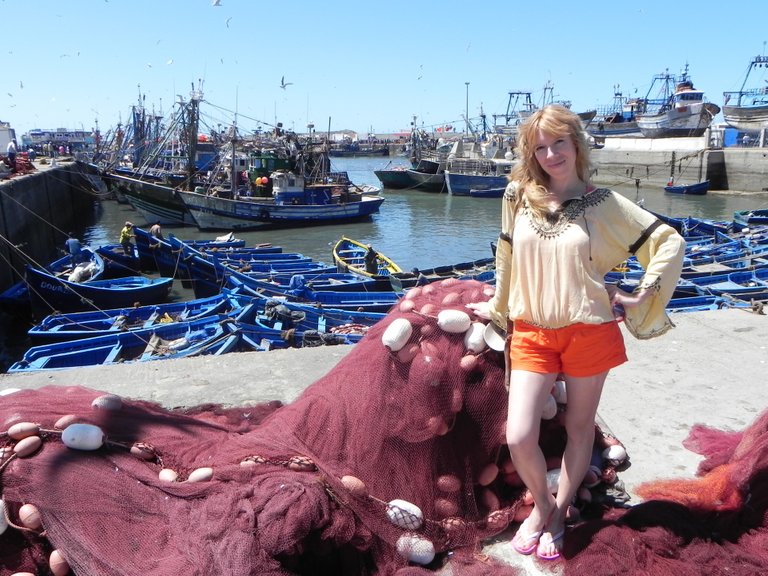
(36,212)
(654,161)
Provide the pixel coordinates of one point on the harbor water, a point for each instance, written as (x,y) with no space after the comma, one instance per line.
(415,228)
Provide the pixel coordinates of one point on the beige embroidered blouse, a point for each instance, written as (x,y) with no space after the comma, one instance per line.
(552,274)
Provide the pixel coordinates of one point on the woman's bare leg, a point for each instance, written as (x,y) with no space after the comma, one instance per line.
(583,399)
(528,392)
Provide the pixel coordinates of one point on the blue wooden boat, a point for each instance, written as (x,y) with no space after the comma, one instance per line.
(350,256)
(698,188)
(89,267)
(699,303)
(286,328)
(285,281)
(461,183)
(683,289)
(360,301)
(212,335)
(207,276)
(117,263)
(158,255)
(50,293)
(746,263)
(749,218)
(691,227)
(692,272)
(330,317)
(244,260)
(749,285)
(88,324)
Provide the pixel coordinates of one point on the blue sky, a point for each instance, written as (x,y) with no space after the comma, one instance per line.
(356,65)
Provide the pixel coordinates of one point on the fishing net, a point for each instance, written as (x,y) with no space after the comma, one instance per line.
(392,463)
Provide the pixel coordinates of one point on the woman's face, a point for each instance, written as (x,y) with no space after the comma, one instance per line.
(555,154)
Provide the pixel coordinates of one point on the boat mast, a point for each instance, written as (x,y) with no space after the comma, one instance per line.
(193,114)
(233,164)
(757,62)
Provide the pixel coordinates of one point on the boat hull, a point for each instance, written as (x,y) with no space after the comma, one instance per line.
(395,179)
(426,181)
(678,122)
(747,218)
(747,118)
(49,293)
(460,184)
(155,202)
(212,213)
(698,189)
(89,324)
(202,336)
(606,129)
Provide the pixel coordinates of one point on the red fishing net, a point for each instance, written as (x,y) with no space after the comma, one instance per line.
(392,463)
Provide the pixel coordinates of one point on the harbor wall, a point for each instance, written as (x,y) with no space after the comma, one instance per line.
(621,161)
(36,212)
(746,169)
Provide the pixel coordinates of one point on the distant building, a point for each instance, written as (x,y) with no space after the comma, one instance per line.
(74,138)
(6,135)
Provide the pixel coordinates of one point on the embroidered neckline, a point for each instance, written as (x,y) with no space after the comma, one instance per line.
(555,222)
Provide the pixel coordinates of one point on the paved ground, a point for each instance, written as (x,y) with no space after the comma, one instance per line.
(711,369)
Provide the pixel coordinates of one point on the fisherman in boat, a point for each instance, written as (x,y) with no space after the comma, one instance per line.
(156,231)
(125,238)
(74,249)
(371,260)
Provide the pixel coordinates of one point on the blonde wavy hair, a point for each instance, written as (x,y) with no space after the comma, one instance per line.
(531,179)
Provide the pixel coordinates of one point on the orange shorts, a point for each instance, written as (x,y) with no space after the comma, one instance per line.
(578,350)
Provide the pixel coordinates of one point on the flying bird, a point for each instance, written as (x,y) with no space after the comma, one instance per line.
(216,3)
(228,19)
(284,84)
(21,84)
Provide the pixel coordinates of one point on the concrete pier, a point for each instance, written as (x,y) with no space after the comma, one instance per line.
(710,369)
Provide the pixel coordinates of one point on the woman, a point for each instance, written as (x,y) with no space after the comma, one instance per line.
(559,238)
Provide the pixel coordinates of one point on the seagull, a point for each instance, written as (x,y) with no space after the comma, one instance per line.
(228,19)
(21,84)
(284,84)
(216,3)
